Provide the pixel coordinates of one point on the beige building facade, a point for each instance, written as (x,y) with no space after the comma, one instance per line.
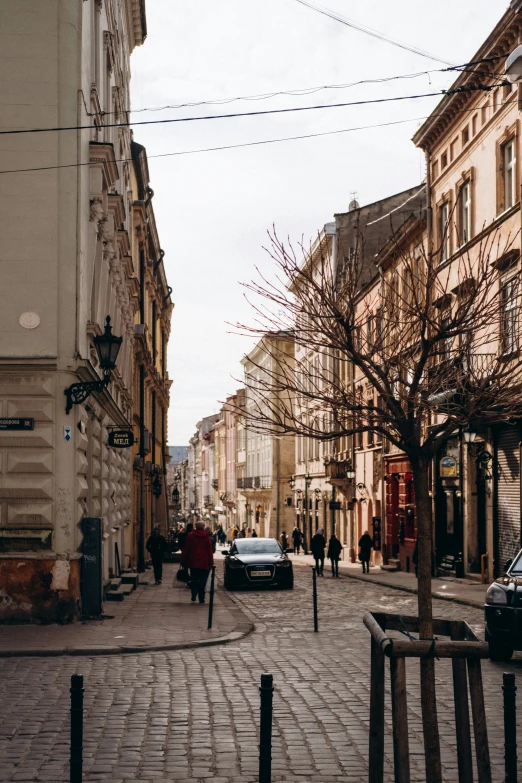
(65,266)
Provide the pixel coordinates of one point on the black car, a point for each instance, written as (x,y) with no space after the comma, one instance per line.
(257,561)
(503,612)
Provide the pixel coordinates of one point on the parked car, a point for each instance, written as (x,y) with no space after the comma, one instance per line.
(257,562)
(503,612)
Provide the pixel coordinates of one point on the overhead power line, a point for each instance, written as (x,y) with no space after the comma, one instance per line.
(308,90)
(254,113)
(369,31)
(237,146)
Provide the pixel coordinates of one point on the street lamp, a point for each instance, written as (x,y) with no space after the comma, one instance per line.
(350,473)
(107,347)
(291,481)
(469,437)
(513,68)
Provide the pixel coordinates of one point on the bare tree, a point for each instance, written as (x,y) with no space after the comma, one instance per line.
(433,340)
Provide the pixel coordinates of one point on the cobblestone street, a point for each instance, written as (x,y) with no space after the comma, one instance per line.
(193,715)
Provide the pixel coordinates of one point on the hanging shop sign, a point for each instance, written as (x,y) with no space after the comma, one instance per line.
(121,439)
(16,424)
(449,467)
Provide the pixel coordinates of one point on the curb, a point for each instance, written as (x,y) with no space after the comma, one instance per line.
(410,590)
(233,636)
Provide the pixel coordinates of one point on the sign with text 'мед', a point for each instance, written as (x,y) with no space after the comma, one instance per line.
(121,439)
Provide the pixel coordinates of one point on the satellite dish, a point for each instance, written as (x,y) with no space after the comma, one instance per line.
(354,204)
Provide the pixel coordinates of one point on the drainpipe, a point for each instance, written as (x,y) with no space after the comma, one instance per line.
(278,479)
(141,539)
(429,237)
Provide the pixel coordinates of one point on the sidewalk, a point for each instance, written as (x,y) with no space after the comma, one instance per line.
(153,617)
(462,591)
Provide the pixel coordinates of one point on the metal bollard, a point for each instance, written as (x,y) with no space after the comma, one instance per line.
(265,732)
(314,594)
(76,728)
(211,598)
(510,727)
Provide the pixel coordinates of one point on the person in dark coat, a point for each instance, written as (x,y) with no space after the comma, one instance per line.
(297,538)
(334,553)
(365,546)
(156,546)
(197,555)
(284,541)
(182,536)
(317,546)
(254,534)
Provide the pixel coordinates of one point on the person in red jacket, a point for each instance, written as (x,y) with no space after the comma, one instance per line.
(197,555)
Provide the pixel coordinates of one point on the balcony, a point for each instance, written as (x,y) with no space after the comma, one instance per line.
(255,482)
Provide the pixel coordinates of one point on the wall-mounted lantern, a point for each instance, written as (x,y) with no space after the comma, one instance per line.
(107,347)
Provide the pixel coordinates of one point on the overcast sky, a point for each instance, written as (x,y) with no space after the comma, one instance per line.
(213,208)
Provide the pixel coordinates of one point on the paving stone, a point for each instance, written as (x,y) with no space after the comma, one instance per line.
(192,715)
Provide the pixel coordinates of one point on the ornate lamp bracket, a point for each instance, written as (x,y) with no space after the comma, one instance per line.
(78,392)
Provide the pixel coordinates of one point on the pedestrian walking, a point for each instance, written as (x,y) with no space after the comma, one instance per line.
(284,541)
(235,533)
(182,536)
(297,538)
(365,546)
(242,533)
(334,553)
(198,556)
(317,546)
(156,546)
(254,534)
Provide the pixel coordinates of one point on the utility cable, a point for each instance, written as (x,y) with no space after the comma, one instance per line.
(238,146)
(369,31)
(311,90)
(264,112)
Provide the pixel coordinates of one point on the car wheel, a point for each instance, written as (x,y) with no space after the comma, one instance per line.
(499,650)
(288,585)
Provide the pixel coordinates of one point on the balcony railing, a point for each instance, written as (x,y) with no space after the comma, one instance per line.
(255,482)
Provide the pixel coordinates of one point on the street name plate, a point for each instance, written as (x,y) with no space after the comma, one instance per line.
(16,424)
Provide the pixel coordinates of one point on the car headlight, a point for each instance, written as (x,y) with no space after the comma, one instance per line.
(235,564)
(283,564)
(496,595)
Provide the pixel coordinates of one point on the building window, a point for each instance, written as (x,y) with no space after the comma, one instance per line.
(453,149)
(506,90)
(444,160)
(435,170)
(444,232)
(508,167)
(370,423)
(465,136)
(370,334)
(474,124)
(465,212)
(484,113)
(509,293)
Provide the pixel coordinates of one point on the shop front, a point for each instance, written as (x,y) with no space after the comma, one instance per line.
(400,532)
(507,527)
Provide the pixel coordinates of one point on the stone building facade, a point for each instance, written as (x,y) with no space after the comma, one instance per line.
(65,265)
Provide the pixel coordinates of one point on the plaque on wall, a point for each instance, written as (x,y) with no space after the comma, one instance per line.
(16,424)
(22,540)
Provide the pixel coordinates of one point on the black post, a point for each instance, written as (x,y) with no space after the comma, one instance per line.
(211,597)
(314,593)
(76,728)
(265,733)
(510,727)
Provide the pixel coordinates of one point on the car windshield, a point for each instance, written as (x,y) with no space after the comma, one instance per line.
(516,568)
(252,546)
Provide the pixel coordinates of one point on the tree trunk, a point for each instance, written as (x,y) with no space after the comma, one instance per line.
(427,665)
